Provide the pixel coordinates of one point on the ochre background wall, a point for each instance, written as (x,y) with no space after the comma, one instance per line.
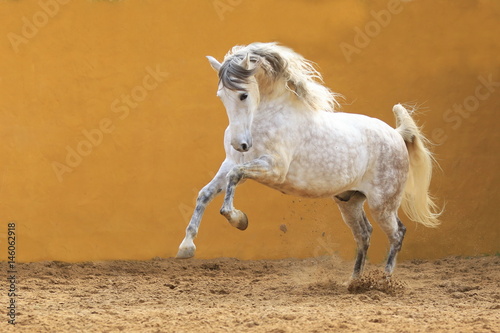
(79,67)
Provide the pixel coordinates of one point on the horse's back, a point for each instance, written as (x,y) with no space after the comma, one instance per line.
(342,152)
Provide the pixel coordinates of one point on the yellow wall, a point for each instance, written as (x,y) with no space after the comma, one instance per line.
(68,67)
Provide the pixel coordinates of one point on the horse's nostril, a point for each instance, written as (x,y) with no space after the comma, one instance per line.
(244,147)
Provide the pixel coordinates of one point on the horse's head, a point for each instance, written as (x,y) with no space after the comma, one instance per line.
(239,92)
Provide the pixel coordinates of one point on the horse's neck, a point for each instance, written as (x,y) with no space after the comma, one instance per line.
(285,104)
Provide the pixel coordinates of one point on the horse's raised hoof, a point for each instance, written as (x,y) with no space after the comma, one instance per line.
(240,221)
(236,218)
(186,250)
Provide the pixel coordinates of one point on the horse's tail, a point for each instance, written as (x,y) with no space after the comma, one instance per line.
(417,203)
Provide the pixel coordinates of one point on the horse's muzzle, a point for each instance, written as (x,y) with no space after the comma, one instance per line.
(242,147)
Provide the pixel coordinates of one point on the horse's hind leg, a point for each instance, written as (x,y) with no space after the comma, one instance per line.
(395,247)
(351,206)
(395,231)
(187,247)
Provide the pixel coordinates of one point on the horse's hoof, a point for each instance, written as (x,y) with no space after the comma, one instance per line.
(186,251)
(236,218)
(242,221)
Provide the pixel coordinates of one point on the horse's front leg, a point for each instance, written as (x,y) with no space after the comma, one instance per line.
(265,170)
(210,191)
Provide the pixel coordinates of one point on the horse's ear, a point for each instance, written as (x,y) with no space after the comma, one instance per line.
(246,63)
(214,63)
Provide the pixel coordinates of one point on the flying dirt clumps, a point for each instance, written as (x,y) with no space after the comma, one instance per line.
(377,280)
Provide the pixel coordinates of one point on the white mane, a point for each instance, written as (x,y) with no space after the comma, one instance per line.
(281,65)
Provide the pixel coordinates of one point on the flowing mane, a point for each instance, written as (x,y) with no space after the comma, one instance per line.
(280,65)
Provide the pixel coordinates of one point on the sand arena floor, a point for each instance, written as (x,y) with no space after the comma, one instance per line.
(229,295)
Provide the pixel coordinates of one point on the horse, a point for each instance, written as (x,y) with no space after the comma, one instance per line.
(286,132)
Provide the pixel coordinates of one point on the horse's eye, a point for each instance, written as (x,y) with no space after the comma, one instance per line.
(243,96)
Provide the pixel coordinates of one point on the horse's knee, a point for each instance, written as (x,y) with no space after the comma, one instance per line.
(205,195)
(235,175)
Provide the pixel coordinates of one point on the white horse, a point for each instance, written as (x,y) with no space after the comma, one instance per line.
(284,133)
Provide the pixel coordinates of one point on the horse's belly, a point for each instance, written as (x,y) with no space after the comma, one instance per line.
(320,180)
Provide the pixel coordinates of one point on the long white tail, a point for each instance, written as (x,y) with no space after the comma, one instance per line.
(417,203)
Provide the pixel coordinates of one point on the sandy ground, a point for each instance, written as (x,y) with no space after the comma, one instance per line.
(310,295)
